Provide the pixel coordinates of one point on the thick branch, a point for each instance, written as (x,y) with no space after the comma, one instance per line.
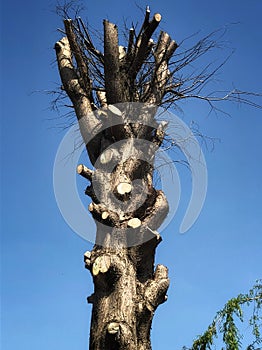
(158,212)
(69,77)
(113,85)
(88,123)
(101,213)
(101,96)
(131,41)
(164,51)
(160,133)
(81,64)
(146,20)
(84,171)
(142,46)
(155,291)
(82,105)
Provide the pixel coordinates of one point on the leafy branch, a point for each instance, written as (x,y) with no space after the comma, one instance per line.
(225,322)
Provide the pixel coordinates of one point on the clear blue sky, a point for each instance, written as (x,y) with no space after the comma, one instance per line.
(44,283)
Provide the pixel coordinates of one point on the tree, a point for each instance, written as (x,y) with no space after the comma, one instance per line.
(226,320)
(115,95)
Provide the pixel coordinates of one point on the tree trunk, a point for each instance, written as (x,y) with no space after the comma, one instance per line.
(127,290)
(126,207)
(124,301)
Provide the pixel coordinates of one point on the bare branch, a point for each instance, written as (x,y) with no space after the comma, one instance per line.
(70,79)
(141,46)
(84,80)
(131,41)
(113,84)
(87,40)
(84,171)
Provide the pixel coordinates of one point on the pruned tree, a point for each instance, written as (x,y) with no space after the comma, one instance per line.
(107,89)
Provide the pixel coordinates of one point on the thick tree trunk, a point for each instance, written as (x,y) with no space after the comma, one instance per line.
(127,289)
(126,207)
(123,302)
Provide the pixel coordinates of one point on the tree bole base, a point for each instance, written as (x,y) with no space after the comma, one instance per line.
(127,291)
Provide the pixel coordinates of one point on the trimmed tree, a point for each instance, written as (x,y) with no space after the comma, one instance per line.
(115,95)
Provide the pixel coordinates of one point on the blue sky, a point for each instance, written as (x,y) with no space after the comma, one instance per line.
(43,280)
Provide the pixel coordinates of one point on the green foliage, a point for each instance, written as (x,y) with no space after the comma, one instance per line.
(225,322)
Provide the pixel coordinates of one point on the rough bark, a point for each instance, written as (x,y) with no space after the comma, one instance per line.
(113,77)
(128,288)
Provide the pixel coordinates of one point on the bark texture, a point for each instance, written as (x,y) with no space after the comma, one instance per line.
(128,288)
